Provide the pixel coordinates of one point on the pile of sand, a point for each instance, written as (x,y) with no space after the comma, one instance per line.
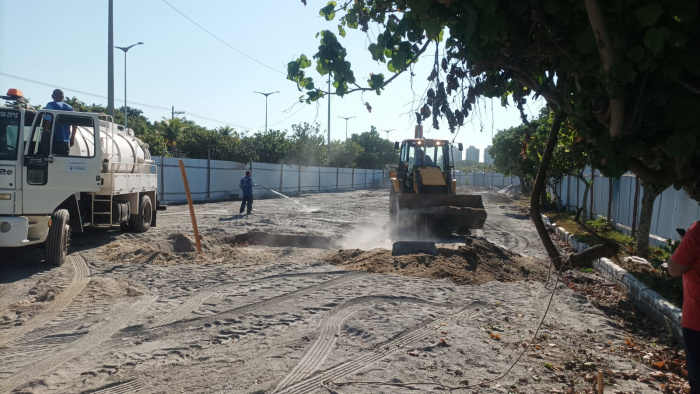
(476,262)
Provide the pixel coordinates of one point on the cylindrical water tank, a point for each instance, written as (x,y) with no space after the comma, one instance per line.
(123,151)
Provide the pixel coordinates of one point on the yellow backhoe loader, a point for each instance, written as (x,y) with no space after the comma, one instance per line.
(423,199)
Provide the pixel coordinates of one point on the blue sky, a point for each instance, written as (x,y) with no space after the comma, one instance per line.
(64,44)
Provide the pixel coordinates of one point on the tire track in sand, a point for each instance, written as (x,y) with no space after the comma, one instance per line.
(177,326)
(118,320)
(14,293)
(81,273)
(127,386)
(292,383)
(191,303)
(508,239)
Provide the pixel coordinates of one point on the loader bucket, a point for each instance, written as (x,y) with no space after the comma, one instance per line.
(446,212)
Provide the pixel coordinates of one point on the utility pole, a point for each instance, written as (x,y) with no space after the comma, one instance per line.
(110,61)
(176,113)
(266,94)
(346,125)
(126,109)
(387,133)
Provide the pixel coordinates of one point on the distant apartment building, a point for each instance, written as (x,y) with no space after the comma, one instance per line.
(487,155)
(472,155)
(456,155)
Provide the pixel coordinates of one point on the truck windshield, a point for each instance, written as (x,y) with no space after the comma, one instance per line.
(9,133)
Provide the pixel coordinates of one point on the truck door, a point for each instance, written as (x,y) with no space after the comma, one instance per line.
(54,169)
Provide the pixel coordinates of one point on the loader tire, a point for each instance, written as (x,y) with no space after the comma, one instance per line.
(58,240)
(141,222)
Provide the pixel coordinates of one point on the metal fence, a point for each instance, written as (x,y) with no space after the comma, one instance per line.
(620,200)
(485,179)
(216,179)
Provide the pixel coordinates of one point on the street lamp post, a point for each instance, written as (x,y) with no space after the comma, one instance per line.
(387,133)
(125,49)
(266,94)
(346,124)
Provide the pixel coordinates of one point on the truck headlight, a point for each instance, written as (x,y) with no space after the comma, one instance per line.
(5,227)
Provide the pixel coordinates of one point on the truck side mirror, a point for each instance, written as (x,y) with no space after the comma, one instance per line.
(396,145)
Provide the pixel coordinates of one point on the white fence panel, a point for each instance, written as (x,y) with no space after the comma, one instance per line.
(290,179)
(309,178)
(329,178)
(345,178)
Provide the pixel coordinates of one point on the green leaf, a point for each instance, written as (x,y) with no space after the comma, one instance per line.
(649,14)
(433,28)
(655,38)
(376,81)
(341,31)
(680,145)
(328,11)
(376,51)
(419,6)
(304,62)
(351,20)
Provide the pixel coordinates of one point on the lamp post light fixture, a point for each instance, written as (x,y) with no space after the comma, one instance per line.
(387,133)
(126,49)
(346,125)
(266,94)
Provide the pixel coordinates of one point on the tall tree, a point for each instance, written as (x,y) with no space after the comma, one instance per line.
(270,147)
(510,156)
(308,145)
(376,151)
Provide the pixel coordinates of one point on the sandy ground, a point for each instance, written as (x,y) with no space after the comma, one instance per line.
(303,296)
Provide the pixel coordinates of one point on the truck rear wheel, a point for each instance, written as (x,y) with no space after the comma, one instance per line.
(58,239)
(141,222)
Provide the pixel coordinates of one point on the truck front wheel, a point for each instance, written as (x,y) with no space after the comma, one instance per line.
(58,239)
(141,222)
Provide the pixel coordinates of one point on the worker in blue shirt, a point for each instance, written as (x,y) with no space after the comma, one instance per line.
(247,188)
(63,139)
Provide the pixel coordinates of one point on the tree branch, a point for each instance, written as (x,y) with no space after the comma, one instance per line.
(361,89)
(607,57)
(537,190)
(584,259)
(663,178)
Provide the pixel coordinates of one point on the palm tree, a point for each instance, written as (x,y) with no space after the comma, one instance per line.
(225,130)
(171,129)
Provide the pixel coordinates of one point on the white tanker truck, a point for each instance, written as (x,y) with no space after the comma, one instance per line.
(45,195)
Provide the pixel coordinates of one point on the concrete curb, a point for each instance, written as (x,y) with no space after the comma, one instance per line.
(645,299)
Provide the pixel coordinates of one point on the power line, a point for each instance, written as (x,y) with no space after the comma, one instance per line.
(168,110)
(222,41)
